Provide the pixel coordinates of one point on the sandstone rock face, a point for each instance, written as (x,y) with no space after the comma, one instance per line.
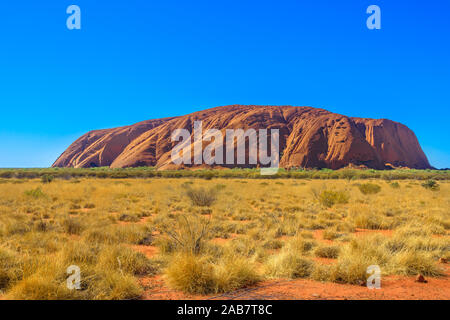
(309,138)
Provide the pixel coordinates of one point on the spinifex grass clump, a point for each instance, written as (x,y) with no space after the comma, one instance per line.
(268,231)
(369,188)
(395,185)
(35,193)
(204,275)
(289,264)
(431,185)
(202,197)
(189,233)
(331,252)
(11,268)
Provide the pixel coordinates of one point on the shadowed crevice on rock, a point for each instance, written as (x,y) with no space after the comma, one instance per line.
(309,138)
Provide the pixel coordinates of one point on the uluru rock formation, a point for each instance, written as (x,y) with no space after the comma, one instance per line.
(309,138)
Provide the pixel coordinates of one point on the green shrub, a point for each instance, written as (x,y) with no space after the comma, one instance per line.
(72,226)
(202,197)
(46,178)
(35,193)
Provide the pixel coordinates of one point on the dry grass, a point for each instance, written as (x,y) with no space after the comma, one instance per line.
(211,235)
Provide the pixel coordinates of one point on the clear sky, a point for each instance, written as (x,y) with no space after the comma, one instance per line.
(137,60)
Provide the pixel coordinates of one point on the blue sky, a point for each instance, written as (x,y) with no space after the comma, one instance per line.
(136,60)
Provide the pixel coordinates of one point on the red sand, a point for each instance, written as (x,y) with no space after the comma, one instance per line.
(148,251)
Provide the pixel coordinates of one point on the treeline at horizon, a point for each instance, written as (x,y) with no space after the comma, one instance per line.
(242,173)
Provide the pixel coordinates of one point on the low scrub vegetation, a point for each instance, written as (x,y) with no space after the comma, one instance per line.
(288,264)
(331,252)
(369,188)
(202,197)
(205,275)
(150,172)
(431,185)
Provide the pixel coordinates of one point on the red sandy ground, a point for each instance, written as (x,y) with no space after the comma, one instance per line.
(392,287)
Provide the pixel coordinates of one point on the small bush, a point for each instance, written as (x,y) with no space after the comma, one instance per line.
(321,272)
(40,226)
(189,234)
(124,259)
(369,221)
(72,226)
(329,198)
(330,234)
(355,257)
(11,269)
(395,185)
(352,271)
(301,246)
(234,273)
(35,193)
(273,244)
(38,287)
(369,188)
(115,286)
(330,252)
(431,185)
(79,253)
(410,262)
(190,273)
(129,218)
(202,197)
(165,245)
(46,178)
(101,236)
(289,265)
